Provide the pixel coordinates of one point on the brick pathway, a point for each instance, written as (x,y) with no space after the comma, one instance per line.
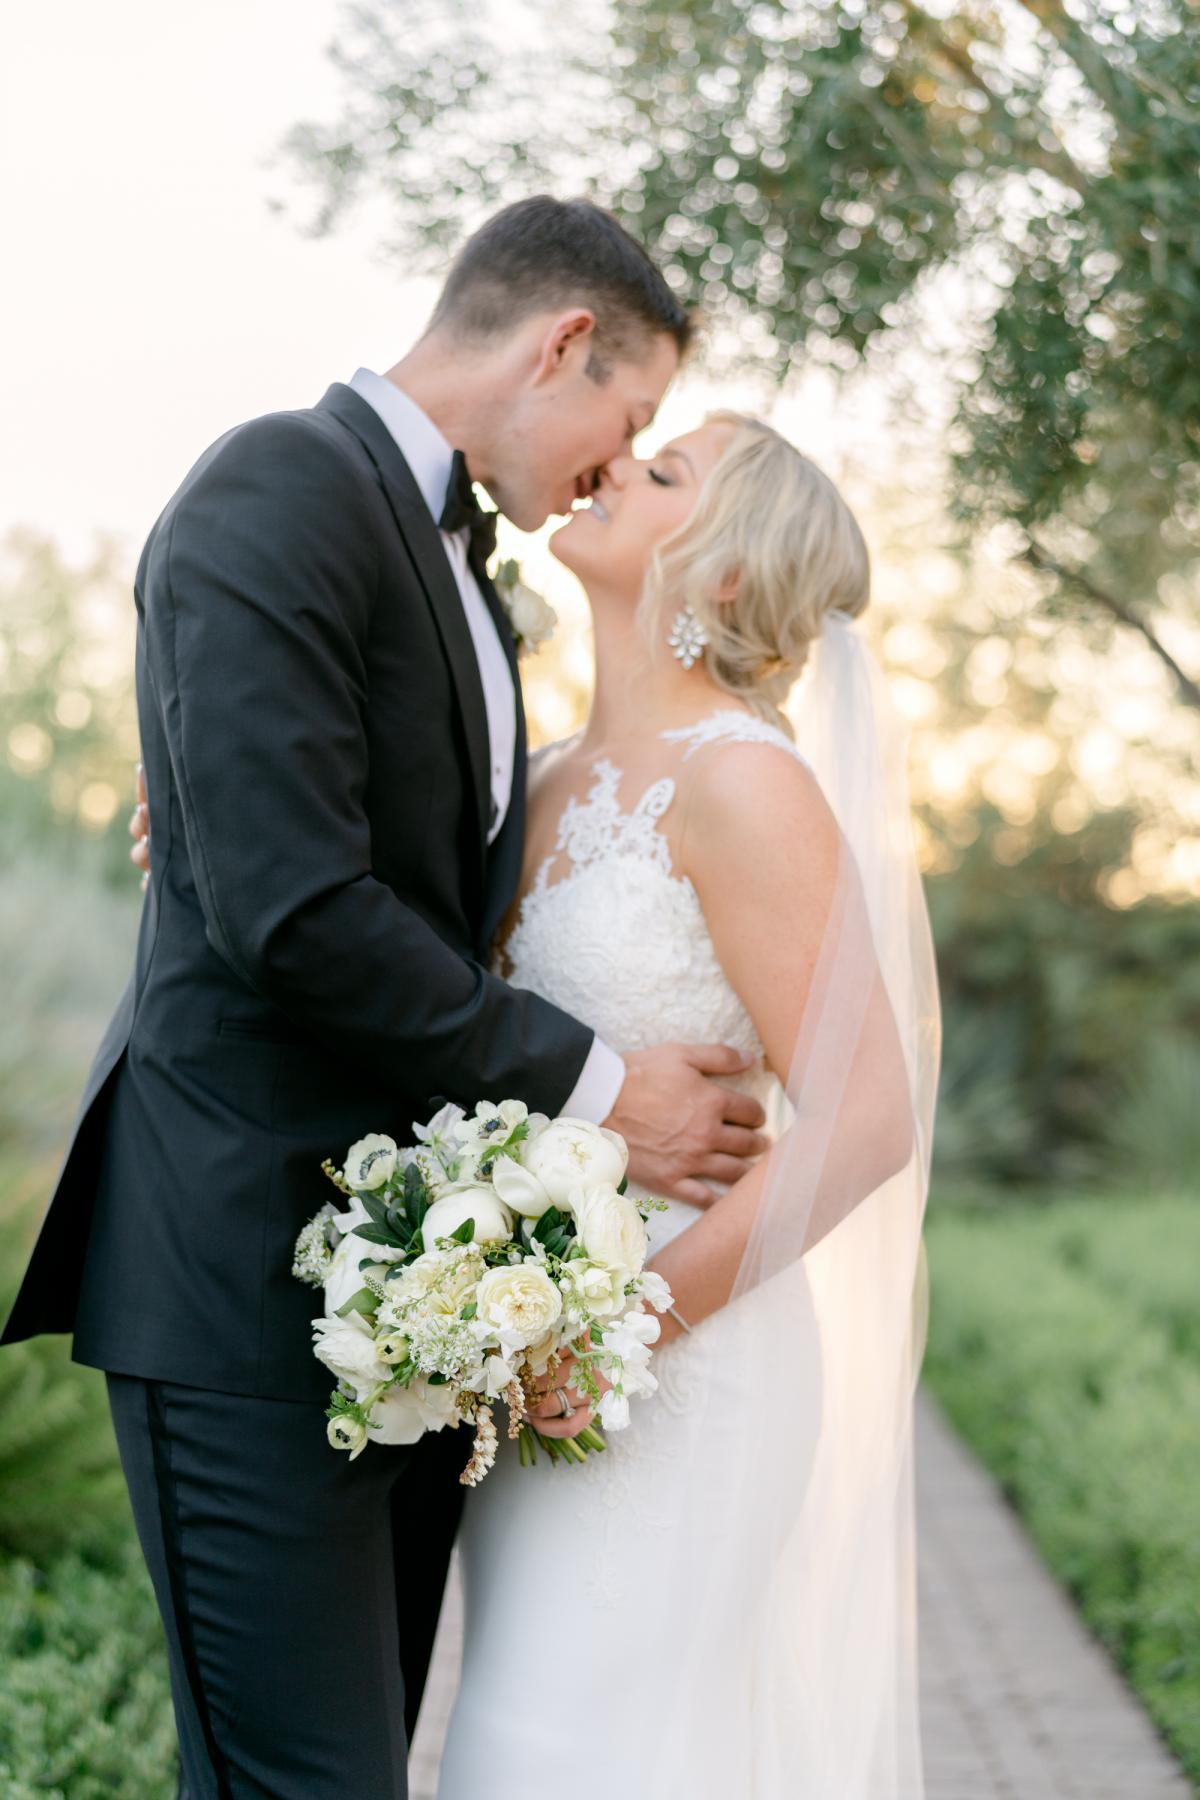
(1018,1701)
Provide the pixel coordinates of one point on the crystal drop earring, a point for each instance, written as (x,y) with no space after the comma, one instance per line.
(687,637)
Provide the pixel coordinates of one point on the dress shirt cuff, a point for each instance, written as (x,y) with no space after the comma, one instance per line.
(601,1080)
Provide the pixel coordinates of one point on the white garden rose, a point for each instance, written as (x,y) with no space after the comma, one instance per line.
(611,1228)
(595,1287)
(371,1162)
(521,1302)
(493,1221)
(347,1348)
(558,1155)
(533,619)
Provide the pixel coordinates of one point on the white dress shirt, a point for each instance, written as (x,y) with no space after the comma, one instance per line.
(429,456)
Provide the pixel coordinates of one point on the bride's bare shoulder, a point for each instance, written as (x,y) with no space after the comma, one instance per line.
(755,802)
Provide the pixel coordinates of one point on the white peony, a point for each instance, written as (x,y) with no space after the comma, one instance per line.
(564,1154)
(521,1302)
(347,1348)
(493,1221)
(344,1278)
(610,1228)
(371,1162)
(405,1414)
(594,1287)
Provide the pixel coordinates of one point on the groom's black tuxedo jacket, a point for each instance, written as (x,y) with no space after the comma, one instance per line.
(311,961)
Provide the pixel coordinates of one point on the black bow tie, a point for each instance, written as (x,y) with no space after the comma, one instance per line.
(462,510)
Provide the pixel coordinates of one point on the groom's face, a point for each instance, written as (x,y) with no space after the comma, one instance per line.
(563,426)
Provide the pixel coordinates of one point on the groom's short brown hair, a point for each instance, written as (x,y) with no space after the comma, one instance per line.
(541,253)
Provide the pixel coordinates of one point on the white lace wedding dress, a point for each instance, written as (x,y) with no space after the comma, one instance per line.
(575,1606)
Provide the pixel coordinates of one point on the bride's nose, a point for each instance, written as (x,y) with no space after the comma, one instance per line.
(617,472)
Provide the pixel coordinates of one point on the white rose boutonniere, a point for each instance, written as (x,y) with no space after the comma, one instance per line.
(532,618)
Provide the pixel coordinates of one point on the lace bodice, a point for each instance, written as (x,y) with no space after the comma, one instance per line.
(620,941)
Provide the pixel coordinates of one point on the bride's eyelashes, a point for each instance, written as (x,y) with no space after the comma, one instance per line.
(660,479)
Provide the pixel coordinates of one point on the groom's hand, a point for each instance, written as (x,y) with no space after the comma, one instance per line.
(683,1128)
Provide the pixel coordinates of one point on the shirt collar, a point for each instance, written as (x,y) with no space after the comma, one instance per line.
(422,445)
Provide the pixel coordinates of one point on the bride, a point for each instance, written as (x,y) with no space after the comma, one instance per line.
(722,1603)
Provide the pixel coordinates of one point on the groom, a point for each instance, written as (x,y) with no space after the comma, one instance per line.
(335,753)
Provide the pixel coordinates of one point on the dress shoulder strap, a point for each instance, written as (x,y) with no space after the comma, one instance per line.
(732,726)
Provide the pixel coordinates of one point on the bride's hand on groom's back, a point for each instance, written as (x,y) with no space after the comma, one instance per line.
(682,1127)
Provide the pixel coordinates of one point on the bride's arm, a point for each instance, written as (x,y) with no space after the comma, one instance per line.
(761,847)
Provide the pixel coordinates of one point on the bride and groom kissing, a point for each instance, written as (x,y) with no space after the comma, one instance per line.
(366,898)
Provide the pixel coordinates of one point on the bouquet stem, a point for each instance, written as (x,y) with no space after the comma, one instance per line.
(577,1449)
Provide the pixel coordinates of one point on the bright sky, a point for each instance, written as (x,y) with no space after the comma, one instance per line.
(151,299)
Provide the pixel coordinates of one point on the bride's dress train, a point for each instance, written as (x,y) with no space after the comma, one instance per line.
(580,1611)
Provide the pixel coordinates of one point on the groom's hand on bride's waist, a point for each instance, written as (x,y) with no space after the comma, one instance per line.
(683,1127)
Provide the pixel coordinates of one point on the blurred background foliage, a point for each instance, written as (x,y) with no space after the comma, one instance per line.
(964,234)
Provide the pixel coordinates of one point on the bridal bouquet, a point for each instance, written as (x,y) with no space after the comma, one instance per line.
(465,1267)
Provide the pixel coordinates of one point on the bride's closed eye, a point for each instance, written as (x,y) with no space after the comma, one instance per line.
(660,479)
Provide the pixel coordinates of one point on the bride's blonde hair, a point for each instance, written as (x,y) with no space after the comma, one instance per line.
(771,527)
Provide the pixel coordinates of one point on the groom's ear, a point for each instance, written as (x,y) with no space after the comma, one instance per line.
(566,340)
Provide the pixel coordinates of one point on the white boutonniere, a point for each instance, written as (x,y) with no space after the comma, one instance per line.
(532,618)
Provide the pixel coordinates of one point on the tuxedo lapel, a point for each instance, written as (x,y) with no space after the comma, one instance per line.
(436,576)
(507,852)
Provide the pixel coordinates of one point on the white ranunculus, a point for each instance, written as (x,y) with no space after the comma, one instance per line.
(595,1287)
(493,1221)
(573,1153)
(521,1301)
(404,1414)
(347,1348)
(610,1228)
(371,1162)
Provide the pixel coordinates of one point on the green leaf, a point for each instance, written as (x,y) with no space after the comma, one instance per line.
(362,1302)
(622,1184)
(376,1207)
(379,1234)
(437,1380)
(465,1232)
(469,1310)
(549,1221)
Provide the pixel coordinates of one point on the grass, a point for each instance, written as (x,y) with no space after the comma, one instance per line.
(1064,1347)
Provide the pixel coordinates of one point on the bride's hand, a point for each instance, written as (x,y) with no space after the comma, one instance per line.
(547,1415)
(139,828)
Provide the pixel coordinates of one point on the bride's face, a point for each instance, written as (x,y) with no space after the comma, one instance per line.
(638,503)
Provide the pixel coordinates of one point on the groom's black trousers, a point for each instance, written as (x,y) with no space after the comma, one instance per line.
(299,1591)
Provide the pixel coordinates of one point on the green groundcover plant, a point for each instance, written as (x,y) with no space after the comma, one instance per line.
(1064,1346)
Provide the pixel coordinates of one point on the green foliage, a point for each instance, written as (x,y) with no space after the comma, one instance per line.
(60,1482)
(804,170)
(1057,1354)
(66,944)
(67,719)
(1063,1017)
(85,1708)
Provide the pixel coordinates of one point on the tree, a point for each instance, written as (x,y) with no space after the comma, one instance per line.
(817,174)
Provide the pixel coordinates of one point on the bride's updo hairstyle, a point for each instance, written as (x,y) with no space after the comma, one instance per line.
(772,531)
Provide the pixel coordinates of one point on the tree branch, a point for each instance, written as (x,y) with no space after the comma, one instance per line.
(1041,559)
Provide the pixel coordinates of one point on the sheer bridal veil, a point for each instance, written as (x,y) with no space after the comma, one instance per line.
(796,1535)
